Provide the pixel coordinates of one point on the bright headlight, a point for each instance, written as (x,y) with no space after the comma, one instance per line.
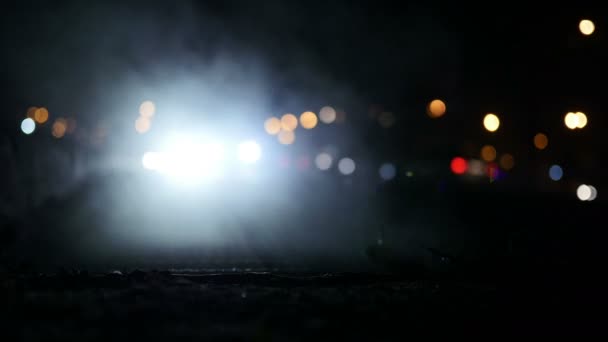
(249,152)
(187,160)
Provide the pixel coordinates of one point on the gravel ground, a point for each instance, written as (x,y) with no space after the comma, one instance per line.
(279,307)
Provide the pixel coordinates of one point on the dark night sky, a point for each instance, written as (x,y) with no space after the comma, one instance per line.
(98,61)
(530,65)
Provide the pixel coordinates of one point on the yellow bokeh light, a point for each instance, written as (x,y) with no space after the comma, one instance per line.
(31,112)
(507,161)
(491,122)
(287,137)
(272,125)
(41,115)
(147,109)
(436,108)
(289,122)
(581,119)
(586,27)
(142,124)
(327,114)
(308,120)
(541,141)
(571,120)
(488,153)
(60,126)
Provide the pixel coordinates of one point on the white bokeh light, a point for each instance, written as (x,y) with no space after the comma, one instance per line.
(327,114)
(249,152)
(593,193)
(346,166)
(323,161)
(28,126)
(583,192)
(476,167)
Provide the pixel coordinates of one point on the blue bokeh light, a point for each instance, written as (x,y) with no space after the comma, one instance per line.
(555,172)
(387,171)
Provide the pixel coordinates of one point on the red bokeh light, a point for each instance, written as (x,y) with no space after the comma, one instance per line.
(493,171)
(458,165)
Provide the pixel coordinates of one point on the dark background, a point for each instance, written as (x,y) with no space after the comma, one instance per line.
(93,246)
(242,62)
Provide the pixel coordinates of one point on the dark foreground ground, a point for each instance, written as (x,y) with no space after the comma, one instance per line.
(541,278)
(248,306)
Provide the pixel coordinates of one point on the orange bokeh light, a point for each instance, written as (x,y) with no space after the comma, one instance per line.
(289,122)
(41,115)
(31,112)
(541,141)
(436,108)
(142,124)
(272,125)
(147,109)
(488,153)
(287,137)
(308,120)
(60,126)
(507,161)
